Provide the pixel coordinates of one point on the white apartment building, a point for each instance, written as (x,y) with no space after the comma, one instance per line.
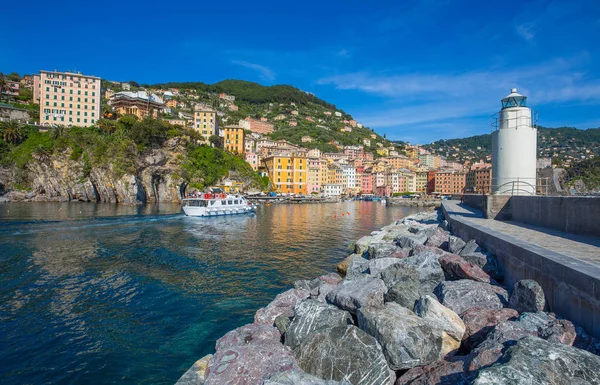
(332,189)
(69,99)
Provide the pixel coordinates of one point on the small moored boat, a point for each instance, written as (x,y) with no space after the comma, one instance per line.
(211,204)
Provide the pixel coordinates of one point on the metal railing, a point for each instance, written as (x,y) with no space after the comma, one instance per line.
(541,186)
(519,121)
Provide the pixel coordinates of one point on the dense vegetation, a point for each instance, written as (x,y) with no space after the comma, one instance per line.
(588,171)
(118,145)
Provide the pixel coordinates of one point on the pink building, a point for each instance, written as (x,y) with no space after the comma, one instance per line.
(366,183)
(253,159)
(384,191)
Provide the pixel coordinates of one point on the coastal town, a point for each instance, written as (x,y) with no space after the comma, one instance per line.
(373,166)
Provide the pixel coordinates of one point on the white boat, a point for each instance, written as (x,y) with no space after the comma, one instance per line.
(211,205)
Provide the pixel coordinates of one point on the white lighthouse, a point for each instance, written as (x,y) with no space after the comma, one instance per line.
(514,148)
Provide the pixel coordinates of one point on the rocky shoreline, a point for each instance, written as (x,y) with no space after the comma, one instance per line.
(413,202)
(412,305)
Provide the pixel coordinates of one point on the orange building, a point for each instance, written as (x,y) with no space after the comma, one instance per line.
(479,179)
(450,182)
(233,139)
(288,174)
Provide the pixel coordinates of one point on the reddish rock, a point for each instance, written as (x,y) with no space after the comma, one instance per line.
(439,238)
(443,372)
(249,364)
(456,267)
(420,248)
(283,304)
(249,334)
(479,322)
(331,278)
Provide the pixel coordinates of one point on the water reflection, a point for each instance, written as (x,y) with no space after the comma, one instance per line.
(106,293)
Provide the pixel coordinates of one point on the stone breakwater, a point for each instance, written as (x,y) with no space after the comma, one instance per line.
(412,305)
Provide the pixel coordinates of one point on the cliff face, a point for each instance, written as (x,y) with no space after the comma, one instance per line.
(59,178)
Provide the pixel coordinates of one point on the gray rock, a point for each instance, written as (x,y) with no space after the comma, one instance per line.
(464,294)
(470,248)
(406,340)
(354,294)
(361,247)
(527,296)
(410,241)
(455,244)
(549,327)
(313,315)
(439,238)
(283,304)
(299,377)
(357,267)
(533,360)
(344,353)
(447,322)
(445,225)
(282,323)
(487,262)
(430,271)
(403,285)
(386,250)
(479,322)
(376,266)
(309,285)
(399,272)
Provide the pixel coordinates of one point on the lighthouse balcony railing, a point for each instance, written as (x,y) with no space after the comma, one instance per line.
(524,186)
(514,122)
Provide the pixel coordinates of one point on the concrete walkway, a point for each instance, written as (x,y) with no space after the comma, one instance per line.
(577,246)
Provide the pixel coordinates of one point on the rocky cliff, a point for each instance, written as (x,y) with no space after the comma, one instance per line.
(58,177)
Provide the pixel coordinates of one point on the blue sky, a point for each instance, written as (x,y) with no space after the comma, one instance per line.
(416,70)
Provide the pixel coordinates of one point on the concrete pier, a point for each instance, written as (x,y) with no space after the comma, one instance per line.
(567,266)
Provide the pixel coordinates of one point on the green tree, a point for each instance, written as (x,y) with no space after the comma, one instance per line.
(216,141)
(3,84)
(12,131)
(56,132)
(13,76)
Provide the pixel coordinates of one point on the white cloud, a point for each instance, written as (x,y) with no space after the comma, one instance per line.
(526,31)
(343,53)
(264,72)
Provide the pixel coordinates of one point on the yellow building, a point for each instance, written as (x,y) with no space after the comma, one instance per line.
(383,151)
(69,99)
(288,174)
(233,139)
(421,181)
(205,121)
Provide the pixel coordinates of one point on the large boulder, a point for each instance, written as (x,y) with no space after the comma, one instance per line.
(503,335)
(447,322)
(344,353)
(357,268)
(470,247)
(354,294)
(409,241)
(249,334)
(450,371)
(487,262)
(439,238)
(386,250)
(403,285)
(479,322)
(361,247)
(249,364)
(430,271)
(196,375)
(406,339)
(455,244)
(299,377)
(549,327)
(527,296)
(342,267)
(465,294)
(311,315)
(376,266)
(457,268)
(533,360)
(283,304)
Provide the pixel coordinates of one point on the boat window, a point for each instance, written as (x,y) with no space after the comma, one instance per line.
(235,202)
(212,203)
(203,203)
(223,203)
(229,202)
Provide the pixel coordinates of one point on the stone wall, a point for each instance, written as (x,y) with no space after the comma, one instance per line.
(572,287)
(11,113)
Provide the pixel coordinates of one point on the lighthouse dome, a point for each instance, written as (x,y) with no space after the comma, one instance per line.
(514,99)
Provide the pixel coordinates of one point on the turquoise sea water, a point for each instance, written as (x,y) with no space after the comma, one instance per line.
(100,294)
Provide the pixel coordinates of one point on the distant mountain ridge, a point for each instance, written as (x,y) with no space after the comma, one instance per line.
(565,144)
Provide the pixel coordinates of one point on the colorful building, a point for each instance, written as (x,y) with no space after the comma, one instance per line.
(233,139)
(450,182)
(479,179)
(205,122)
(288,174)
(68,98)
(139,104)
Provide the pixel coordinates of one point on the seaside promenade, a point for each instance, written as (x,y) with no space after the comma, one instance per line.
(566,265)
